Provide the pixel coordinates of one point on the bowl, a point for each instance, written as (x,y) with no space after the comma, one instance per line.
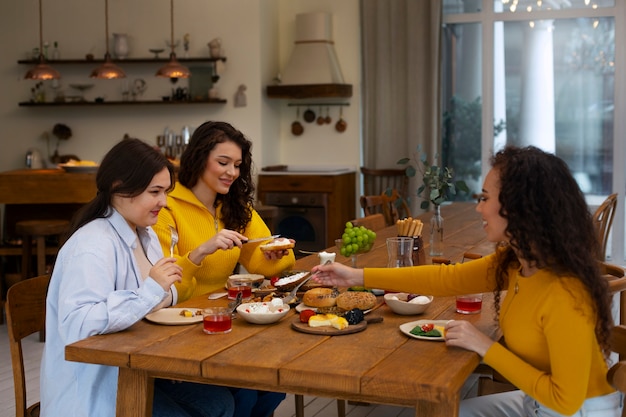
(255,280)
(398,304)
(263,312)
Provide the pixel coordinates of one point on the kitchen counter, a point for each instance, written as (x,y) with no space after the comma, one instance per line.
(46,186)
(306,170)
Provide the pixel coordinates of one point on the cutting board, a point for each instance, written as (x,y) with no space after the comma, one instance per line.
(296,324)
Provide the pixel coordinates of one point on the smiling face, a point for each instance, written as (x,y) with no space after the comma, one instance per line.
(489,208)
(222,167)
(143,210)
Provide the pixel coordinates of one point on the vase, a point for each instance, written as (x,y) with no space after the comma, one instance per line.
(120,45)
(436,232)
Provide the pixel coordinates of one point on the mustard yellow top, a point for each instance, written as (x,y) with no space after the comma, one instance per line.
(196,225)
(551,351)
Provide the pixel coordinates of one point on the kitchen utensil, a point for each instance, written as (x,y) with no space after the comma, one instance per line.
(234,304)
(320,118)
(296,127)
(292,295)
(328,120)
(309,116)
(261,239)
(341,124)
(174,241)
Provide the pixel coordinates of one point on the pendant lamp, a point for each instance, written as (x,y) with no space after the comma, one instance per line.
(108,70)
(42,71)
(173,69)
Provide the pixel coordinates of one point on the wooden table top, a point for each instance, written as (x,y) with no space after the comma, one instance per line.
(46,186)
(378,365)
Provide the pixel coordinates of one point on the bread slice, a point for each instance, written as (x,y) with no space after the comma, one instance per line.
(278,244)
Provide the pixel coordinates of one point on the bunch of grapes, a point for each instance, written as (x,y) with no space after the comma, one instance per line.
(356,239)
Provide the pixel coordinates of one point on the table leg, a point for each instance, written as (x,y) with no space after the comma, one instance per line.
(135,391)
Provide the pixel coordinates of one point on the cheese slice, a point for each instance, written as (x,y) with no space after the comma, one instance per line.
(440,329)
(327,320)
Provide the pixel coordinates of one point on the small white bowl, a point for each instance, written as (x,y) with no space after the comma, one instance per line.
(398,304)
(262,312)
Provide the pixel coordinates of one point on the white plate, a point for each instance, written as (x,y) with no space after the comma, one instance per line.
(79,168)
(172,316)
(301,307)
(407,327)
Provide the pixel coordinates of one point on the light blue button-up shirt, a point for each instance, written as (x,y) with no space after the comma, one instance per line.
(96,288)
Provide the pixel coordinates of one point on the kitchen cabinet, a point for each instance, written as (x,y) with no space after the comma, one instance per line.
(338,189)
(128,61)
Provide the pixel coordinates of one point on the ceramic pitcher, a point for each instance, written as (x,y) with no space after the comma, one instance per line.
(120,45)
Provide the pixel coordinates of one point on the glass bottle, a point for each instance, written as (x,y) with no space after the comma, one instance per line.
(436,232)
(56,54)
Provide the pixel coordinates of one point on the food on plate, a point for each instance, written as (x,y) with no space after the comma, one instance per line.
(319,297)
(305,315)
(429,330)
(354,316)
(83,163)
(189,313)
(355,299)
(278,244)
(324,320)
(413,299)
(274,306)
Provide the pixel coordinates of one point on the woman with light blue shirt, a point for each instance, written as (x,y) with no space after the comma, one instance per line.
(109,274)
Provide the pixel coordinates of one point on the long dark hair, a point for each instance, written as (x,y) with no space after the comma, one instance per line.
(549,225)
(236,204)
(127,170)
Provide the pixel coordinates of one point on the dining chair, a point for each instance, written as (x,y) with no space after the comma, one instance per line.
(603,220)
(26,314)
(615,275)
(377,181)
(373,222)
(617,373)
(390,204)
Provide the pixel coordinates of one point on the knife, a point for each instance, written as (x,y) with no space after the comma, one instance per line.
(261,239)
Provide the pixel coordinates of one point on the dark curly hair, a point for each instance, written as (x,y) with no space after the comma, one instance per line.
(549,225)
(236,204)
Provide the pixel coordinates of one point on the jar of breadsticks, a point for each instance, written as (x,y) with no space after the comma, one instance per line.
(410,227)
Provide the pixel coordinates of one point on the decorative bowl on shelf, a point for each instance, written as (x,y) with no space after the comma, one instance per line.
(156,52)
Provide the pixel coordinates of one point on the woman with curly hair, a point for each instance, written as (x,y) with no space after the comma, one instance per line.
(211,209)
(556,314)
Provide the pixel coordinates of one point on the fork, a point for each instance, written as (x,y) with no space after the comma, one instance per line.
(174,241)
(292,295)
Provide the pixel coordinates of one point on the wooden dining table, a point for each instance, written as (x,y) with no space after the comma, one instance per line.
(377,365)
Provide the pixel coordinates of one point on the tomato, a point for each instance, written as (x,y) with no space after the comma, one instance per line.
(273,280)
(427,327)
(306,314)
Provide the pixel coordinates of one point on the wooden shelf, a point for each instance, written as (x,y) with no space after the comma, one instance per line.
(119,103)
(306,91)
(120,61)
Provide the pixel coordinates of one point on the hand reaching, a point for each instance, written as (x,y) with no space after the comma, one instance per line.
(338,274)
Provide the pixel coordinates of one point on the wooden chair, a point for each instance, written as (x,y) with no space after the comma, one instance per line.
(603,220)
(617,373)
(26,314)
(373,222)
(391,205)
(377,181)
(617,284)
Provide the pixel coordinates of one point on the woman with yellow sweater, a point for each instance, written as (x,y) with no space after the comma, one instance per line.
(211,209)
(556,313)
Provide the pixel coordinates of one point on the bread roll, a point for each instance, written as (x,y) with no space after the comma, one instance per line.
(356,299)
(319,297)
(278,244)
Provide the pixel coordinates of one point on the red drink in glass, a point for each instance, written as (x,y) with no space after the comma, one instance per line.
(245,290)
(469,304)
(217,320)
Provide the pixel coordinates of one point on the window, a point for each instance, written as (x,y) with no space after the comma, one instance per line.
(539,73)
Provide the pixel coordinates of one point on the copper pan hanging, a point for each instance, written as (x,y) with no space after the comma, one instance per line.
(341,124)
(296,127)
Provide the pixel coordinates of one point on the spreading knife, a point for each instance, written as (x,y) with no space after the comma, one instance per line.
(261,239)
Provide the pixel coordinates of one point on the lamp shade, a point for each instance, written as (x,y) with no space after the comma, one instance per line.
(108,70)
(42,71)
(173,69)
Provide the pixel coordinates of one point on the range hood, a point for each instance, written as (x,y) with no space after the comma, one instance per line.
(313,69)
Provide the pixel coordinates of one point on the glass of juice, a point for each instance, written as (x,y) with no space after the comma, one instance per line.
(236,286)
(217,320)
(469,303)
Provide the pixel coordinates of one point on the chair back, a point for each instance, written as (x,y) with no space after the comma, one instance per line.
(390,204)
(617,374)
(373,222)
(617,284)
(603,220)
(26,314)
(377,181)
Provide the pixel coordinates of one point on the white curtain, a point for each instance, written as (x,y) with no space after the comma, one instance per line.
(401,49)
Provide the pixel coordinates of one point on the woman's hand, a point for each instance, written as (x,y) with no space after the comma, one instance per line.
(274,255)
(225,239)
(463,334)
(165,272)
(337,274)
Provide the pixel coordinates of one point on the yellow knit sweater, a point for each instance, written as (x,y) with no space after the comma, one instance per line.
(196,225)
(551,351)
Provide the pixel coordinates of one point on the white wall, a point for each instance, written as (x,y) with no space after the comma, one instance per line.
(257,39)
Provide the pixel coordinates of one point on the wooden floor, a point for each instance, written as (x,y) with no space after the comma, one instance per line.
(314,406)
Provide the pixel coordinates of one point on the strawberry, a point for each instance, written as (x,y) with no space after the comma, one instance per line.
(306,314)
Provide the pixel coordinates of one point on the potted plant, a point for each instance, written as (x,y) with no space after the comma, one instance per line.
(438,185)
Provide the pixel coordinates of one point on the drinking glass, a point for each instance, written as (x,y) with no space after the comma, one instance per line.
(469,303)
(217,320)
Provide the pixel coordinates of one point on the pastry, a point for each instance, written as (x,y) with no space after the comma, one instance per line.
(355,299)
(319,297)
